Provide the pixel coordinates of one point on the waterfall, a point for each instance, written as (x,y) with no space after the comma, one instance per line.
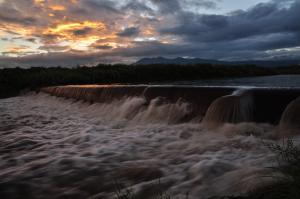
(195,100)
(211,105)
(234,108)
(290,120)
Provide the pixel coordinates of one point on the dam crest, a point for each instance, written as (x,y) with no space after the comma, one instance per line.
(213,106)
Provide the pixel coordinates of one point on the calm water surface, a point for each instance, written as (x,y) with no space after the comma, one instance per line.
(292,81)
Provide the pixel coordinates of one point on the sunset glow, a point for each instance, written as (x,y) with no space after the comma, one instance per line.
(144,99)
(130,29)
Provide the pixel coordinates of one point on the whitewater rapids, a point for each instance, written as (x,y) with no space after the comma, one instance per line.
(56,148)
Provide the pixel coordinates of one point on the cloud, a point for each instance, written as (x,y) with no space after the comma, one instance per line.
(100,46)
(48,59)
(129,32)
(54,48)
(33,40)
(196,4)
(138,7)
(167,6)
(83,31)
(70,32)
(264,18)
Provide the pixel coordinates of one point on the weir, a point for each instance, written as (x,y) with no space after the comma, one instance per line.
(211,105)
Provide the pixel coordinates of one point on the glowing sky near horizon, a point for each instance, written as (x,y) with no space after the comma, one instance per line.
(68,32)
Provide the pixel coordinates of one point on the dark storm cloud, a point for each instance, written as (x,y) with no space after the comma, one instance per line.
(96,10)
(101,47)
(18,13)
(100,5)
(267,42)
(177,6)
(17,19)
(167,6)
(14,16)
(214,21)
(49,38)
(33,40)
(56,48)
(99,9)
(129,32)
(264,18)
(149,48)
(48,59)
(70,58)
(168,28)
(83,31)
(138,7)
(153,49)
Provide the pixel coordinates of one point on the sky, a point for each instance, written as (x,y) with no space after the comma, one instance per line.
(86,32)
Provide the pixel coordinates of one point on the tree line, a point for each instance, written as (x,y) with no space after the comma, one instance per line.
(15,80)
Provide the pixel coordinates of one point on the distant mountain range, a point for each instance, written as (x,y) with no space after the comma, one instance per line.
(188,61)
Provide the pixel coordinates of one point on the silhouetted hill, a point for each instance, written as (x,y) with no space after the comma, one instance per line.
(178,60)
(189,61)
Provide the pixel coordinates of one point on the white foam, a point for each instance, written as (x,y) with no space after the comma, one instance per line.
(57,146)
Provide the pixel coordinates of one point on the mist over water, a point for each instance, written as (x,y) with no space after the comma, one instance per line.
(55,148)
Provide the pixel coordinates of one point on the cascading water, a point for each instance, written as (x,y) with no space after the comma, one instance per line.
(234,108)
(138,136)
(290,120)
(160,102)
(213,106)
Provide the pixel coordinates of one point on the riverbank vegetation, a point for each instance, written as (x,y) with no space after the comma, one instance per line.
(287,183)
(14,80)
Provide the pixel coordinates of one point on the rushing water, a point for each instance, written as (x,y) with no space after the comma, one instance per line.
(53,147)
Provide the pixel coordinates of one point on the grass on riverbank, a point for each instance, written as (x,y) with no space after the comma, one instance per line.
(287,184)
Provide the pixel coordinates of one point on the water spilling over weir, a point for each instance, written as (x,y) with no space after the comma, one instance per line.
(212,105)
(77,143)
